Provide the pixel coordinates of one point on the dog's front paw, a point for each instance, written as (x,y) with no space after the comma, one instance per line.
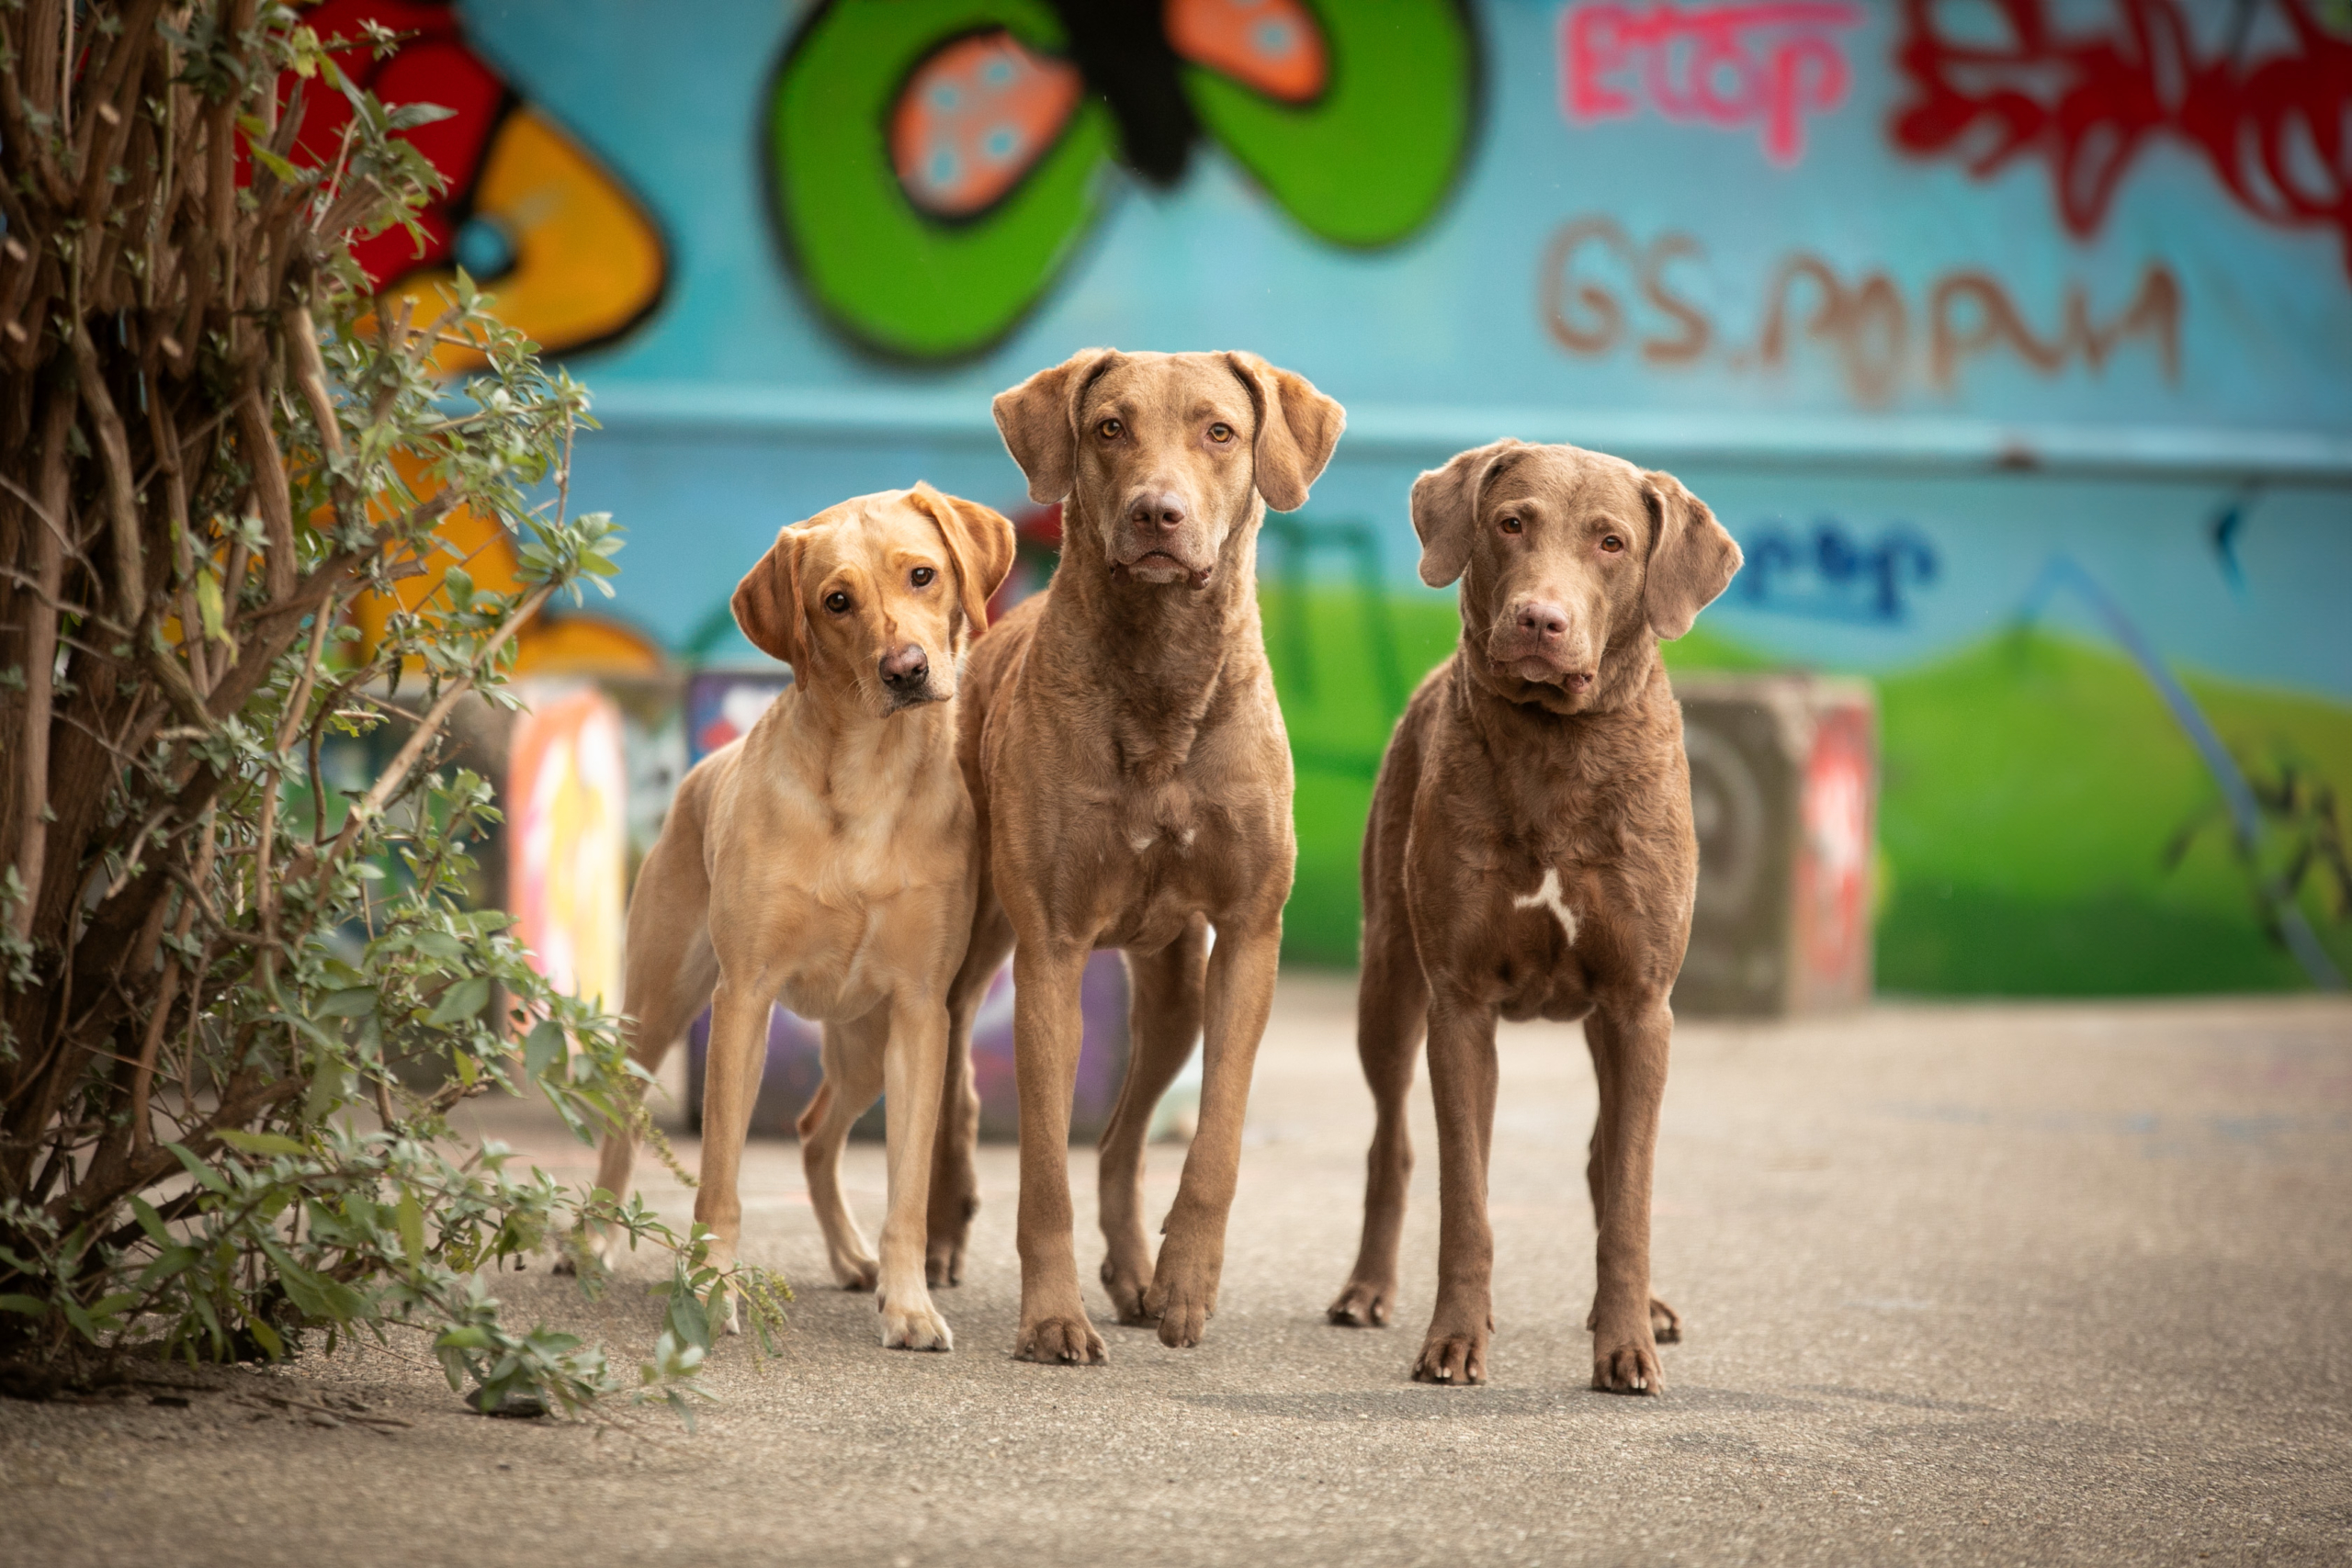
(1454,1354)
(1067,1341)
(915,1326)
(1182,1296)
(950,1234)
(1666,1323)
(1365,1303)
(1629,1366)
(856,1273)
(1127,1289)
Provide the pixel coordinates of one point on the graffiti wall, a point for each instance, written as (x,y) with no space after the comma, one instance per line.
(2011,337)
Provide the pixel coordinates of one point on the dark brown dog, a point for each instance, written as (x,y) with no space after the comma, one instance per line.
(1531,855)
(1124,751)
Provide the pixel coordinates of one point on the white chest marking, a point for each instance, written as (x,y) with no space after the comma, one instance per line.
(1548,897)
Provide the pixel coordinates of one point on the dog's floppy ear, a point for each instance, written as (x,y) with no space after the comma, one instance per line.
(979,541)
(1691,557)
(1297,428)
(767,602)
(1038,420)
(1446,503)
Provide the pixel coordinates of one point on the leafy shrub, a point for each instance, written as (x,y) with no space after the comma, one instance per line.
(211,964)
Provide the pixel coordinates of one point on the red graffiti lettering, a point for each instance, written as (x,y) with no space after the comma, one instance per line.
(1729,66)
(2276,132)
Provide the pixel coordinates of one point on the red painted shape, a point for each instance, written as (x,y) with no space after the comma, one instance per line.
(1273,46)
(2277,132)
(1833,867)
(974,117)
(432,65)
(1768,65)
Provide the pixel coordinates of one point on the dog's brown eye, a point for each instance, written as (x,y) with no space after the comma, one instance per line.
(1611,543)
(921,576)
(1110,429)
(837,602)
(1511,525)
(1220,433)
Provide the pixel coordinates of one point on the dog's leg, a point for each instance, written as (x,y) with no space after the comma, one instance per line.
(1047,1026)
(853,1057)
(912,1057)
(1462,1083)
(1630,1038)
(1239,994)
(1392,1012)
(1162,1023)
(670,970)
(1666,1323)
(955,1177)
(739,1051)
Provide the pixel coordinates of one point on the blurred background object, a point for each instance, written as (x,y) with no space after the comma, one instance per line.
(721,706)
(1783,787)
(1931,301)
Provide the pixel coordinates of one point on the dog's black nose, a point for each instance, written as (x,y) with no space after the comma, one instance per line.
(1163,511)
(904,667)
(1545,621)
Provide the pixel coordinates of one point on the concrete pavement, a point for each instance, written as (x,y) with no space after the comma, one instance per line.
(2026,1285)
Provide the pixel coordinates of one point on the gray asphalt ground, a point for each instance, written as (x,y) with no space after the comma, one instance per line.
(1987,1284)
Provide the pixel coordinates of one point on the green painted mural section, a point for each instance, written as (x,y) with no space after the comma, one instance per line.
(2045,827)
(902,283)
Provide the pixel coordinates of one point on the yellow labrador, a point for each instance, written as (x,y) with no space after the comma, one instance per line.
(827,861)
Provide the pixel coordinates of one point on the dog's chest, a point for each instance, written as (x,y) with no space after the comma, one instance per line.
(1543,916)
(839,903)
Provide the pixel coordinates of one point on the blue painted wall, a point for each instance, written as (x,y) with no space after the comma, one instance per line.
(2202,473)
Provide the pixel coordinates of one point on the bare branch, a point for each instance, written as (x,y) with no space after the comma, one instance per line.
(40,665)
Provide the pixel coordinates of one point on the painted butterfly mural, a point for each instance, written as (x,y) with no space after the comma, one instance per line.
(571,254)
(935,164)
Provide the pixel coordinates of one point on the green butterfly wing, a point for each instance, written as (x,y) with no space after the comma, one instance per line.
(1372,158)
(898,279)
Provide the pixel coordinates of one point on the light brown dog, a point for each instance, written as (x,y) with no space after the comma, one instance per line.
(1531,854)
(1125,754)
(828,860)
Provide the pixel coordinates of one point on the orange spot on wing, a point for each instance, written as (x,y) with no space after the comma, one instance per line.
(1274,46)
(974,117)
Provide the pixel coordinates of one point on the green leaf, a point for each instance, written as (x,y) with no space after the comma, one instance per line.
(688,1319)
(259,1143)
(276,165)
(151,1222)
(266,1337)
(211,1179)
(170,1262)
(461,1001)
(360,1001)
(31,1306)
(542,1048)
(407,117)
(411,1220)
(441,945)
(330,1084)
(304,1289)
(209,606)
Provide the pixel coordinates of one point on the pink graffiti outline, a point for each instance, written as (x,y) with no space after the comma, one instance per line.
(1600,38)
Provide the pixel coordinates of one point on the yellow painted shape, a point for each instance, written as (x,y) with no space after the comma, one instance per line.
(583,643)
(483,551)
(587,262)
